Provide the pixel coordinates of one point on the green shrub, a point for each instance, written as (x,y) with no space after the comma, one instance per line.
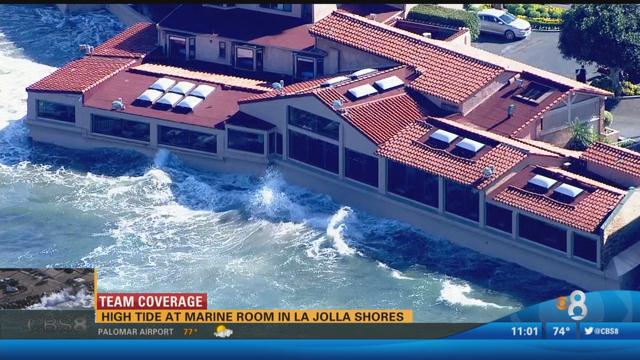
(602,83)
(442,15)
(512,8)
(583,135)
(608,118)
(520,11)
(544,15)
(533,14)
(556,13)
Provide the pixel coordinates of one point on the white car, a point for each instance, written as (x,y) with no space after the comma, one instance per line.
(503,23)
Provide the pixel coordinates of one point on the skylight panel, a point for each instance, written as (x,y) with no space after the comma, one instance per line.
(470,145)
(335,80)
(162,84)
(150,95)
(362,91)
(183,87)
(202,91)
(362,72)
(190,102)
(542,181)
(444,136)
(389,83)
(170,99)
(568,190)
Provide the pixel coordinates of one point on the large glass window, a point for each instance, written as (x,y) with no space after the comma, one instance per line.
(128,129)
(361,167)
(245,58)
(412,183)
(542,232)
(61,112)
(585,248)
(462,200)
(312,122)
(245,141)
(187,139)
(275,143)
(177,47)
(281,7)
(499,217)
(305,68)
(313,151)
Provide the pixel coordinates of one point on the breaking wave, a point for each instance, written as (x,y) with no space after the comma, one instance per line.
(66,299)
(458,294)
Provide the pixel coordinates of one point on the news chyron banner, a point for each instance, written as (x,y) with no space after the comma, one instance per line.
(169,308)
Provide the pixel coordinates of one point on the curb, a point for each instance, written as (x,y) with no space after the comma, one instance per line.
(540,30)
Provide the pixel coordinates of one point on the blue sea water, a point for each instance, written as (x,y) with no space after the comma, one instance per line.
(249,242)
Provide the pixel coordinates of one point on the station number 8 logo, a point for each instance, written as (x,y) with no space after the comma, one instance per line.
(576,300)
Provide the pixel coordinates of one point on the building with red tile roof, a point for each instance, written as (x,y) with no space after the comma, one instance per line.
(615,162)
(586,212)
(445,74)
(137,41)
(81,75)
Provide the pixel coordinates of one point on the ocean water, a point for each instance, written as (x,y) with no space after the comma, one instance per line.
(249,242)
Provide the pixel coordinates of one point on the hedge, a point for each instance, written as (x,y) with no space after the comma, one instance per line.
(442,15)
(543,23)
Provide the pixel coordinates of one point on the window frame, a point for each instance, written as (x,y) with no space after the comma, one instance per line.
(376,179)
(121,138)
(298,127)
(311,137)
(222,49)
(69,107)
(264,135)
(184,148)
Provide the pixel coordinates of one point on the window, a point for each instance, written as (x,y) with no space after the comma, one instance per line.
(245,58)
(127,129)
(245,141)
(499,218)
(542,232)
(55,111)
(305,68)
(222,49)
(313,151)
(314,123)
(534,93)
(177,47)
(412,183)
(462,200)
(275,143)
(361,167)
(192,48)
(585,247)
(187,139)
(507,18)
(281,7)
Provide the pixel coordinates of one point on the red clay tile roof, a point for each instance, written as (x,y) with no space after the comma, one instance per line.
(135,42)
(383,119)
(446,74)
(617,158)
(586,213)
(406,148)
(81,75)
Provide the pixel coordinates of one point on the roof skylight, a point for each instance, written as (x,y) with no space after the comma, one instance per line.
(335,80)
(568,190)
(362,91)
(470,145)
(162,84)
(183,87)
(202,91)
(362,72)
(389,83)
(542,181)
(189,102)
(170,99)
(150,95)
(444,136)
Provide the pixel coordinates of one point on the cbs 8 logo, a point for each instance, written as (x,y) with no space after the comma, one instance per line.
(576,300)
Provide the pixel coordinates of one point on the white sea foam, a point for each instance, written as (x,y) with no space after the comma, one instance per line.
(337,229)
(457,294)
(68,298)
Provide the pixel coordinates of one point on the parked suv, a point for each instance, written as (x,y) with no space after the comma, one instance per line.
(503,23)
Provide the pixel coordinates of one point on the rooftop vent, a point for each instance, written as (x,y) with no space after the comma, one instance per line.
(88,49)
(162,84)
(488,171)
(183,87)
(372,16)
(150,95)
(427,35)
(169,99)
(542,181)
(362,72)
(117,104)
(444,136)
(335,80)
(389,83)
(511,109)
(520,83)
(189,102)
(278,87)
(568,190)
(202,91)
(470,145)
(361,91)
(338,106)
